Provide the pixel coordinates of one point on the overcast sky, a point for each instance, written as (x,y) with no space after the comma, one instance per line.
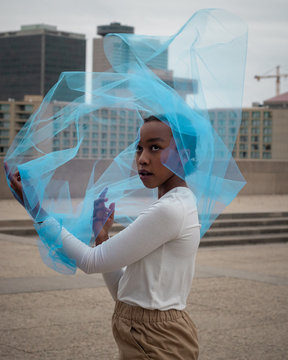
(266,19)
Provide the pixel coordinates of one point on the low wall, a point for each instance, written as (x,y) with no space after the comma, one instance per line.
(263,177)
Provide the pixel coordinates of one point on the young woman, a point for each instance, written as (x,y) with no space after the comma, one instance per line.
(148,267)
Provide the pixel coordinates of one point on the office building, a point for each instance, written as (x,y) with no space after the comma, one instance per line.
(32,59)
(263,131)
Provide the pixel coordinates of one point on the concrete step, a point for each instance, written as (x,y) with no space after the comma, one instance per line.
(259,215)
(231,231)
(227,229)
(244,240)
(269,221)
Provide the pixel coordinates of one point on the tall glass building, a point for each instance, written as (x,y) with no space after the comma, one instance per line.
(32,59)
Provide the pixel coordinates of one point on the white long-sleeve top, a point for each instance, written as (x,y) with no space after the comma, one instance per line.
(158,251)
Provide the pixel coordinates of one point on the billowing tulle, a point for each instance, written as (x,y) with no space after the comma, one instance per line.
(178,79)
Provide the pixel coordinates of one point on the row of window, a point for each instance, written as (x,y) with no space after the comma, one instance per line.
(255,131)
(265,147)
(256,138)
(224,115)
(86,151)
(112,144)
(254,155)
(244,123)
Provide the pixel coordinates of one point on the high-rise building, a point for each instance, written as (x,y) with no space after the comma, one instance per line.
(100,62)
(32,59)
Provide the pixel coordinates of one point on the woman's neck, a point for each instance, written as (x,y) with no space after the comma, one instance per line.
(173,182)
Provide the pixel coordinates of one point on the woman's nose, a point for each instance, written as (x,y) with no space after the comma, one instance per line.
(143,158)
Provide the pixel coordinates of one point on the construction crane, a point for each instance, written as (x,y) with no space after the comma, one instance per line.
(277,76)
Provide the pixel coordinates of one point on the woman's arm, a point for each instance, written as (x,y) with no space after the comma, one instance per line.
(160,224)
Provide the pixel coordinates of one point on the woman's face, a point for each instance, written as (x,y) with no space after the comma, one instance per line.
(155,138)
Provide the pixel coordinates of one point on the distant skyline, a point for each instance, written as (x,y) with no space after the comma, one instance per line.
(267,24)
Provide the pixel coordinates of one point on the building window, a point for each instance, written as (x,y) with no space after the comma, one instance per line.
(221,115)
(267,155)
(255,131)
(267,115)
(4,107)
(243,154)
(212,115)
(5,124)
(243,138)
(113,136)
(256,122)
(243,131)
(256,115)
(254,146)
(266,147)
(221,122)
(267,131)
(232,131)
(5,116)
(104,113)
(254,138)
(243,146)
(4,132)
(221,131)
(267,139)
(245,116)
(255,154)
(4,141)
(113,114)
(267,122)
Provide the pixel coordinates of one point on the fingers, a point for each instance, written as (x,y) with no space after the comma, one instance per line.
(103,193)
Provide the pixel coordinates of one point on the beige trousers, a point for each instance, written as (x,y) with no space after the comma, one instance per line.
(154,334)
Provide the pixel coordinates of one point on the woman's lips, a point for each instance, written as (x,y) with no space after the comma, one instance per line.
(144,174)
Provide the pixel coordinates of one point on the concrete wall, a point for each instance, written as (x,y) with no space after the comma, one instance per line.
(262,176)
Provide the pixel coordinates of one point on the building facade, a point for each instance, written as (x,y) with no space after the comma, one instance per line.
(263,131)
(32,59)
(262,134)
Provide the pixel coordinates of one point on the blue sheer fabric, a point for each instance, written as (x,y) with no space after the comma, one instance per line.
(83,137)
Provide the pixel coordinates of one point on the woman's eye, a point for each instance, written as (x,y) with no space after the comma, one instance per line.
(155,147)
(138,148)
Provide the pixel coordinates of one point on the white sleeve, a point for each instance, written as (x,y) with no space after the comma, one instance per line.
(161,223)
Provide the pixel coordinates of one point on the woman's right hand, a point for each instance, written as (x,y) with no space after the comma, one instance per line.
(15,183)
(103,218)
